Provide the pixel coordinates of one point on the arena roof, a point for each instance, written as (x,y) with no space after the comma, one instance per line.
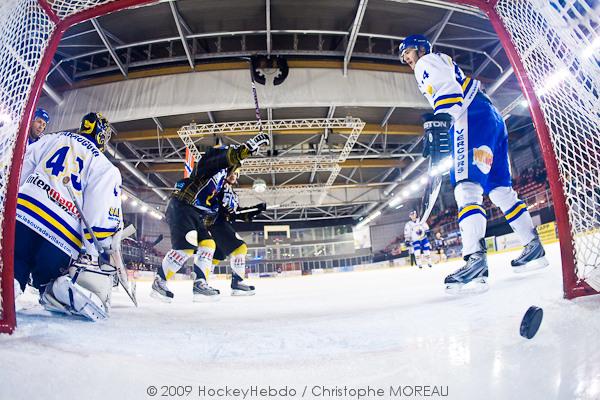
(351,44)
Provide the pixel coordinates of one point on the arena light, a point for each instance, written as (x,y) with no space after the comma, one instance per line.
(368,219)
(423,180)
(589,52)
(134,203)
(144,208)
(524,103)
(395,201)
(554,80)
(259,185)
(124,197)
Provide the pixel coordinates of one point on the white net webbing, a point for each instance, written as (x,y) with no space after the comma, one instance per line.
(25,31)
(559,46)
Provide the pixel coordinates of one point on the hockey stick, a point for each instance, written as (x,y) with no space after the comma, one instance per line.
(432,191)
(99,249)
(249,210)
(255,96)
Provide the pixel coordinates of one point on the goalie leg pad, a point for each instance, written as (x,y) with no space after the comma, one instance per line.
(96,280)
(76,299)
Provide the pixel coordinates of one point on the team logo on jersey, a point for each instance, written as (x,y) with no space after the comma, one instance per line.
(483,158)
(114,213)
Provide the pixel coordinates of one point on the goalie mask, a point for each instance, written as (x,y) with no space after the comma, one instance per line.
(97,129)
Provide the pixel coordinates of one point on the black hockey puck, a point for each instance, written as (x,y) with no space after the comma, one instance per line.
(531,322)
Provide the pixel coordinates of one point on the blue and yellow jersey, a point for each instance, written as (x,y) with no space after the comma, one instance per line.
(444,84)
(45,204)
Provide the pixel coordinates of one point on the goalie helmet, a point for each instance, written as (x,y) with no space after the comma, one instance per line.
(97,129)
(414,42)
(413,213)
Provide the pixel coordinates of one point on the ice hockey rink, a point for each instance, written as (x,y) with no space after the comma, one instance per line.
(379,329)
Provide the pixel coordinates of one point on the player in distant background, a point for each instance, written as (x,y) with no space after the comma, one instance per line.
(228,241)
(415,235)
(191,211)
(38,125)
(480,160)
(49,232)
(439,244)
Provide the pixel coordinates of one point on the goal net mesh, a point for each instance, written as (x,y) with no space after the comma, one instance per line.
(25,31)
(558,43)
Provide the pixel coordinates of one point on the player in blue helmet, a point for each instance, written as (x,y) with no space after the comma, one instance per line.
(479,148)
(419,43)
(40,120)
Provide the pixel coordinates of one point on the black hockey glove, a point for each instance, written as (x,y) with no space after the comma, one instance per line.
(436,137)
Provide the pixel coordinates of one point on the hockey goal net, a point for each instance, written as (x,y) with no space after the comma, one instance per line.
(551,47)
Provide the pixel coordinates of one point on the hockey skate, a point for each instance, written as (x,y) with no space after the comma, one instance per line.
(532,258)
(160,291)
(240,289)
(204,292)
(471,278)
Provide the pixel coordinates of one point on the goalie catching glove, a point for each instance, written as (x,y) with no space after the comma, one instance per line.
(436,137)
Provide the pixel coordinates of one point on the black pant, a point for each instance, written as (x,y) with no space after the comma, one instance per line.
(225,238)
(182,219)
(38,257)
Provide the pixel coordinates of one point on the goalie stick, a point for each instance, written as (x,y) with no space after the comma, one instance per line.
(120,268)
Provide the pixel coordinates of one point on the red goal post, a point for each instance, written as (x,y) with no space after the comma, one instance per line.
(30,31)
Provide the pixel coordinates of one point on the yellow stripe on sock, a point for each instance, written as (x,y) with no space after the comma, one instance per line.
(515,211)
(470,208)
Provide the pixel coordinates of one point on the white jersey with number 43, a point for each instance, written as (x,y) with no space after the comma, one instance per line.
(413,230)
(44,202)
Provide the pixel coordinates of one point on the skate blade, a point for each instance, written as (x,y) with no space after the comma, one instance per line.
(236,292)
(155,295)
(202,298)
(474,287)
(532,265)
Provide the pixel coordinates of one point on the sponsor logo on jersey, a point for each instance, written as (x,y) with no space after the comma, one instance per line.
(483,158)
(53,195)
(460,152)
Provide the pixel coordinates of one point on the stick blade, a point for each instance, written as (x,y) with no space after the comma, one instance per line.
(431,195)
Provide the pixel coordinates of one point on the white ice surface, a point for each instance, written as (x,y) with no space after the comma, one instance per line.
(379,328)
